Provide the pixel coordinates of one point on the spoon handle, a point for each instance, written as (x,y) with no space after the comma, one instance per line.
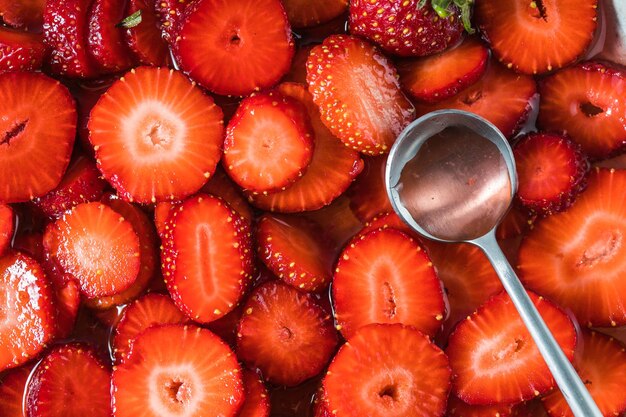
(570,384)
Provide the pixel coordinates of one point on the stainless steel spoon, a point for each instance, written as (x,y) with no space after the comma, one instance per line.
(451,176)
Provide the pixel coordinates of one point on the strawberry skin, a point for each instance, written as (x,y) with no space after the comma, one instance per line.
(24,14)
(20,51)
(7,227)
(304,13)
(220,185)
(106,41)
(169,13)
(257,402)
(145,39)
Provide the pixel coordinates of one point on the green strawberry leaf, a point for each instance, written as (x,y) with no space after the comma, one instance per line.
(130,21)
(443,9)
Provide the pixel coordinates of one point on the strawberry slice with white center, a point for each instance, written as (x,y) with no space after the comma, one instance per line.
(12,386)
(257,403)
(20,51)
(7,227)
(156,135)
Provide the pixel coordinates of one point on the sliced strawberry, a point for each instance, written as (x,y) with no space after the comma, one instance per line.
(368,195)
(501,96)
(458,408)
(320,405)
(285,334)
(71,382)
(226,326)
(162,212)
(537,36)
(337,221)
(87,93)
(207,257)
(297,73)
(516,223)
(20,51)
(358,93)
(234,48)
(269,142)
(389,220)
(304,13)
(331,171)
(495,360)
(156,135)
(169,14)
(35,145)
(220,185)
(577,257)
(26,14)
(586,102)
(145,39)
(295,250)
(178,370)
(12,386)
(106,41)
(441,76)
(257,403)
(7,227)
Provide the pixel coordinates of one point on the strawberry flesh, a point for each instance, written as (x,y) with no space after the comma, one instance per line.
(145,39)
(12,386)
(304,13)
(23,14)
(458,408)
(220,185)
(257,402)
(7,227)
(20,51)
(106,41)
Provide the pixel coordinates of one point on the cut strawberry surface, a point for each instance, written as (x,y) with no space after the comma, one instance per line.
(458,408)
(226,327)
(577,257)
(285,334)
(586,102)
(220,185)
(495,360)
(537,36)
(330,172)
(156,135)
(441,76)
(178,370)
(169,14)
(358,93)
(388,370)
(257,403)
(33,156)
(20,51)
(368,195)
(234,48)
(106,40)
(25,14)
(145,39)
(68,299)
(269,142)
(12,386)
(7,227)
(303,13)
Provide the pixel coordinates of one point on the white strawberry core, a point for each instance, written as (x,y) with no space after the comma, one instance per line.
(175,391)
(391,390)
(500,354)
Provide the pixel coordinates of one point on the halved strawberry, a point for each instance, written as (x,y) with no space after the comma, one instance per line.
(368,195)
(516,223)
(70,381)
(285,334)
(180,370)
(207,257)
(169,13)
(28,312)
(586,102)
(385,276)
(331,171)
(577,257)
(26,14)
(438,77)
(105,39)
(234,48)
(458,408)
(220,185)
(156,135)
(12,387)
(269,143)
(304,13)
(358,93)
(7,227)
(495,360)
(20,51)
(501,96)
(33,156)
(145,38)
(257,403)
(537,36)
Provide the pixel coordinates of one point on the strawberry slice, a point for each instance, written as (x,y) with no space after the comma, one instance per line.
(295,251)
(551,172)
(220,185)
(458,408)
(156,135)
(384,276)
(268,143)
(145,38)
(586,102)
(330,172)
(337,221)
(12,386)
(285,334)
(234,48)
(207,257)
(169,14)
(438,77)
(363,108)
(7,227)
(388,369)
(180,371)
(501,96)
(297,73)
(389,220)
(577,258)
(20,51)
(368,195)
(495,360)
(517,222)
(226,327)
(257,402)
(537,36)
(162,212)
(33,156)
(25,14)
(106,41)
(304,13)
(71,381)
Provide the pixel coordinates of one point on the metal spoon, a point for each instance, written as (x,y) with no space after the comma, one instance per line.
(451,176)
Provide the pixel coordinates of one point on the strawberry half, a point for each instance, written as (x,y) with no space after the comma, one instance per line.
(537,36)
(156,135)
(586,102)
(7,227)
(458,408)
(234,48)
(358,93)
(220,185)
(145,39)
(495,360)
(33,156)
(257,403)
(285,334)
(178,370)
(12,387)
(368,195)
(388,369)
(304,13)
(20,51)
(25,14)
(106,40)
(269,143)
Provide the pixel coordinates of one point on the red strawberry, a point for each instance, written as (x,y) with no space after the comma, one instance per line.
(207,257)
(297,73)
(145,38)
(368,195)
(162,212)
(257,403)
(234,48)
(304,13)
(331,171)
(20,51)
(586,102)
(26,14)
(220,185)
(458,408)
(12,386)
(285,334)
(33,156)
(69,382)
(337,221)
(358,93)
(495,360)
(178,370)
(537,36)
(169,13)
(516,223)
(269,143)
(384,276)
(441,76)
(320,405)
(7,227)
(577,258)
(106,41)
(389,220)
(156,135)
(226,327)
(87,93)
